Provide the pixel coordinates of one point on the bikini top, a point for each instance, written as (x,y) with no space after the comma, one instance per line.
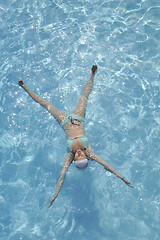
(83,139)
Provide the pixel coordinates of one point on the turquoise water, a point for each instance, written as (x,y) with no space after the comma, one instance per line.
(52,45)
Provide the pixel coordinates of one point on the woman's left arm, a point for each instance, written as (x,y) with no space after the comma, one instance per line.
(95,157)
(66,165)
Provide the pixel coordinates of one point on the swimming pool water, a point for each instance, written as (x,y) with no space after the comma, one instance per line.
(52,45)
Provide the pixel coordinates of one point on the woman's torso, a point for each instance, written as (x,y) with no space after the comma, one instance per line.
(76,138)
(74,129)
(73,126)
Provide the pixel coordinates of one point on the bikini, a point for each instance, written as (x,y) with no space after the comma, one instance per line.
(71,118)
(83,139)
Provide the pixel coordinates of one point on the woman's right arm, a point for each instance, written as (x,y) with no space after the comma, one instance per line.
(98,159)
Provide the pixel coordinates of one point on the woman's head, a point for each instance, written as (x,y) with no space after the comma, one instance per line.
(81,160)
(79,155)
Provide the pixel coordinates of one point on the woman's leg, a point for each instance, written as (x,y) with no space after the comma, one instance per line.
(81,106)
(57,114)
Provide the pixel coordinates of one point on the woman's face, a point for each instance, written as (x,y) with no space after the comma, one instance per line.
(80,155)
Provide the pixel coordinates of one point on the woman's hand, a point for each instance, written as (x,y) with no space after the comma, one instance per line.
(128,183)
(51,202)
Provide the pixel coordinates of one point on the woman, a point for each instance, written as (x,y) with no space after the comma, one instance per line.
(79,149)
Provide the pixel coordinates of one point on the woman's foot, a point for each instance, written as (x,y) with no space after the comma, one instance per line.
(94,68)
(21,83)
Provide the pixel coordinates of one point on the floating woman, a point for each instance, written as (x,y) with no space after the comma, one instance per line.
(79,148)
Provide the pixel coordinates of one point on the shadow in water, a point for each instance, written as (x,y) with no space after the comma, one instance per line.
(83,208)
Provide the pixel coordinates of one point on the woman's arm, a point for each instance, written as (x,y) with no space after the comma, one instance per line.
(95,157)
(66,165)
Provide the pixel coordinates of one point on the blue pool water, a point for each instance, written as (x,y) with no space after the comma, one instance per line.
(52,45)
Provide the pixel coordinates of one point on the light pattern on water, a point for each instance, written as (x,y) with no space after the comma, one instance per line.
(51,45)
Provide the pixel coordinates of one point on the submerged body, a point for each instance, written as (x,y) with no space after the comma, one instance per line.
(79,148)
